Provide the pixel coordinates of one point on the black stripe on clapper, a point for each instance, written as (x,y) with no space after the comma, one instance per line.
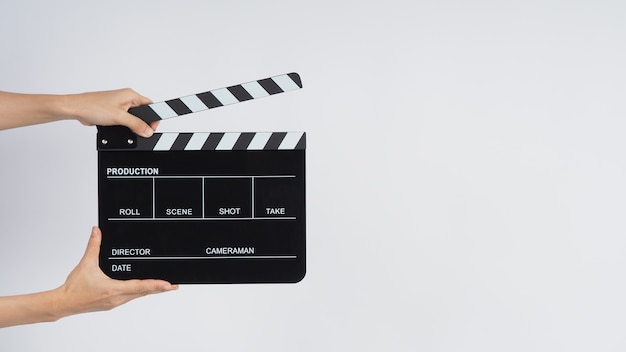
(296,78)
(178,106)
(212,142)
(240,93)
(270,86)
(145,113)
(274,142)
(148,143)
(301,143)
(181,141)
(209,100)
(243,141)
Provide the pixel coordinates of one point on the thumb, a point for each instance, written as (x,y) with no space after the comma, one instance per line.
(138,126)
(93,246)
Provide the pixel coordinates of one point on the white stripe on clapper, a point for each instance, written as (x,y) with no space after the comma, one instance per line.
(290,141)
(197,141)
(255,89)
(166,141)
(163,110)
(224,96)
(285,83)
(259,141)
(194,103)
(228,141)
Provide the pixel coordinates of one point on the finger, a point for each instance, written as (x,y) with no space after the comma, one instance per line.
(138,126)
(154,124)
(93,246)
(141,100)
(133,98)
(140,288)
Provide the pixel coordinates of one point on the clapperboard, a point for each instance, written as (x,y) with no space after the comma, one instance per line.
(203,207)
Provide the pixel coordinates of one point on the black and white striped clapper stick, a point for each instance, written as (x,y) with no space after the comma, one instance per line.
(218,97)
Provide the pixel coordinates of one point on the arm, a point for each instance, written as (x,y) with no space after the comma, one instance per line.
(87,289)
(95,108)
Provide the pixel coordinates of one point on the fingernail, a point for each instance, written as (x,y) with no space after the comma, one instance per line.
(169,287)
(148,132)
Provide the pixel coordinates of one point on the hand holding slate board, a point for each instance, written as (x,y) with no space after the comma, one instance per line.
(203,207)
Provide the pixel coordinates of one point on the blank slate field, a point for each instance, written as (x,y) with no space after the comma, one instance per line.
(178,198)
(273,197)
(130,198)
(228,197)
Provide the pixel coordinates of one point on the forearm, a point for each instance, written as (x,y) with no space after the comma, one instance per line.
(18,110)
(28,309)
(93,108)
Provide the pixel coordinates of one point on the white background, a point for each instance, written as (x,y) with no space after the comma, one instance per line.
(465,161)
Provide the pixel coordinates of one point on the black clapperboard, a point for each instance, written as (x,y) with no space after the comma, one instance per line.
(203,207)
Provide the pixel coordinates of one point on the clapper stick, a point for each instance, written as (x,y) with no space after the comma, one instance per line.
(120,137)
(218,97)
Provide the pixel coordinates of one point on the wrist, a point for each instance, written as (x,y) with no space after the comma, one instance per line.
(53,107)
(66,106)
(55,303)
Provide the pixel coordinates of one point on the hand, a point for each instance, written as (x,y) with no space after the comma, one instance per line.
(110,108)
(88,289)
